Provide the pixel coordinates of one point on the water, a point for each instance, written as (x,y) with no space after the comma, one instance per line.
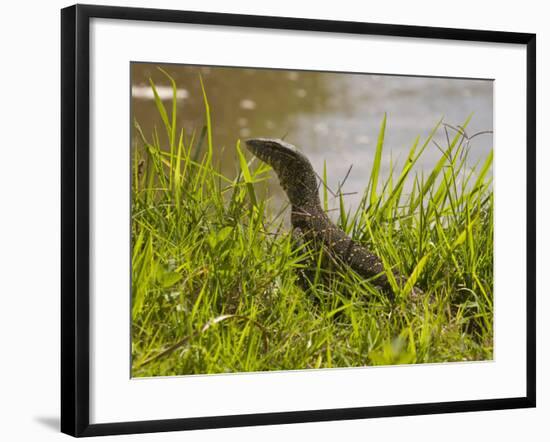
(330,117)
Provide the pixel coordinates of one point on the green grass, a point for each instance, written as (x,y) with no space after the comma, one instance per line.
(215,274)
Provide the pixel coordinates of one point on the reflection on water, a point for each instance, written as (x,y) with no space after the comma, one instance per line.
(330,117)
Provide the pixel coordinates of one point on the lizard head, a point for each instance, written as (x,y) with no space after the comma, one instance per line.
(293,169)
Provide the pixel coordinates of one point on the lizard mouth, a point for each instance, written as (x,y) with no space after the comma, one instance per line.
(269,150)
(254,144)
(261,148)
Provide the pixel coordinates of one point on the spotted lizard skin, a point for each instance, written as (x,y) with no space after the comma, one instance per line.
(298,180)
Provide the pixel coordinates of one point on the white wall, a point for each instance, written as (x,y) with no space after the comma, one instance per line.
(29,219)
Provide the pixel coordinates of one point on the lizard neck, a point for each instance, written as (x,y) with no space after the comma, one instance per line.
(300,185)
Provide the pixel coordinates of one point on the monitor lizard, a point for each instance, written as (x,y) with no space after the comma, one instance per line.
(299,181)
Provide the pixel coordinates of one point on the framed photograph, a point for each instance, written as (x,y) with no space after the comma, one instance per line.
(272,220)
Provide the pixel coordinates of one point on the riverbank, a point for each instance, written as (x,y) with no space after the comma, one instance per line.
(215,275)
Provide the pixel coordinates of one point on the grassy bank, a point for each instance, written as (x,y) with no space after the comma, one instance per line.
(215,275)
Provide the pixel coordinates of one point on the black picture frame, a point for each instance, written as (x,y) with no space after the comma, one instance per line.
(75,225)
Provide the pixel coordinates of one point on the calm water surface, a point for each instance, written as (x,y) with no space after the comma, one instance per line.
(329,117)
